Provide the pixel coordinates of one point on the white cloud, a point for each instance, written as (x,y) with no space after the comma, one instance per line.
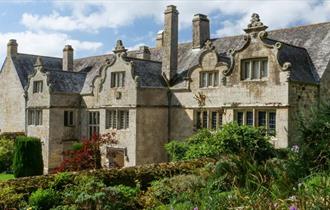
(91,16)
(41,43)
(135,47)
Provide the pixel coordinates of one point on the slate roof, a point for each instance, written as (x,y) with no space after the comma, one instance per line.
(24,65)
(65,81)
(302,68)
(149,72)
(306,47)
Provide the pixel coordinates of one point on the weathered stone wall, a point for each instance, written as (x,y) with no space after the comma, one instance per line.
(152,134)
(12,103)
(59,135)
(325,85)
(302,98)
(182,123)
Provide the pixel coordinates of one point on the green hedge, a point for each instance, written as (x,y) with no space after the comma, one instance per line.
(12,135)
(126,176)
(27,157)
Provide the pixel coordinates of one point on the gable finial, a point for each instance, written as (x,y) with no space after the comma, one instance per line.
(208,45)
(38,62)
(120,49)
(255,24)
(38,65)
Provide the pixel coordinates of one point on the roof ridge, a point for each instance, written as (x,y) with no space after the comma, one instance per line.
(141,59)
(44,56)
(300,26)
(291,45)
(62,71)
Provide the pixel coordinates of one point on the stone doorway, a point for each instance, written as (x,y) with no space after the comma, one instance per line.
(116,157)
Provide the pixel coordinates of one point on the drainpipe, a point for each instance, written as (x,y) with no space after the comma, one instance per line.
(26,112)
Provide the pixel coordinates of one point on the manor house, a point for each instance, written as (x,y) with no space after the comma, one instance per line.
(153,95)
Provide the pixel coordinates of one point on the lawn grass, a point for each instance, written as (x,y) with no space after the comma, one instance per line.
(4,177)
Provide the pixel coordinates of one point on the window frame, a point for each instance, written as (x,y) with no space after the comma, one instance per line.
(69,120)
(256,119)
(204,79)
(35,117)
(93,123)
(117,119)
(118,79)
(37,86)
(204,118)
(249,75)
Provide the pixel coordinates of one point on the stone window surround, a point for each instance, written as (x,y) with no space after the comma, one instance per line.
(250,60)
(255,115)
(209,111)
(34,117)
(93,123)
(215,82)
(117,79)
(69,118)
(37,86)
(116,122)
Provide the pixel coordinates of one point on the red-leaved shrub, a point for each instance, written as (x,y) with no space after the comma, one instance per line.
(89,156)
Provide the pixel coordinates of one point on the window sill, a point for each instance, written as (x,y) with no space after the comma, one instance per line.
(254,80)
(209,87)
(116,129)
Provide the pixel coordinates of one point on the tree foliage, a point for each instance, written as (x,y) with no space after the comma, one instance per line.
(245,141)
(6,154)
(315,138)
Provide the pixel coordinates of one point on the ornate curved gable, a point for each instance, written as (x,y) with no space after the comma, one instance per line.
(120,59)
(38,68)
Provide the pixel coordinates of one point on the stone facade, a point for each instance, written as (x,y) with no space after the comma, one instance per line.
(154,95)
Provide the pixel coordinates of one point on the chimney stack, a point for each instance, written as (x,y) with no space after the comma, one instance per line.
(201,30)
(143,53)
(12,48)
(67,60)
(159,39)
(170,42)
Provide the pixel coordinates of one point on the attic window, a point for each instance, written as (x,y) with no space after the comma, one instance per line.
(37,86)
(209,79)
(117,79)
(254,69)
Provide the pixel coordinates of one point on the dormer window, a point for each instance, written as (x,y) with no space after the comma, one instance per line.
(209,79)
(254,69)
(117,79)
(37,86)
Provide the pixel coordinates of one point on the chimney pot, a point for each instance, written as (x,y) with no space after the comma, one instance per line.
(159,39)
(201,30)
(143,53)
(12,47)
(67,60)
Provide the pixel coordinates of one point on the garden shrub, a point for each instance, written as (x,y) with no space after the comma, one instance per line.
(122,197)
(86,154)
(247,141)
(10,199)
(44,199)
(129,177)
(315,138)
(176,189)
(6,154)
(27,157)
(61,181)
(87,192)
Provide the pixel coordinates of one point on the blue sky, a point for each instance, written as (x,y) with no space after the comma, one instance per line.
(92,27)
